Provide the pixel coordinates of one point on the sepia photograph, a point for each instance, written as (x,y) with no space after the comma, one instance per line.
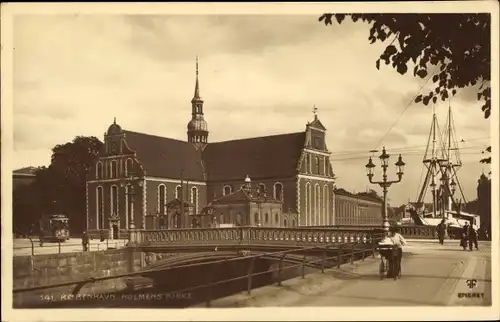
(250,156)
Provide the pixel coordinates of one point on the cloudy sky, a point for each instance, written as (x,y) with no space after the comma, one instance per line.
(259,75)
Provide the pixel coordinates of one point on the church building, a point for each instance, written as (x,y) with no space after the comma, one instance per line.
(139,176)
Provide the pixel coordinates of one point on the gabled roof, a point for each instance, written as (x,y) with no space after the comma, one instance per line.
(316,123)
(262,157)
(164,157)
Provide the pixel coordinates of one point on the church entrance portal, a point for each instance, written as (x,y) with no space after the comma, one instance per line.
(115,231)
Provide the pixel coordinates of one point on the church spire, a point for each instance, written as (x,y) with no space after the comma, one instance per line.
(197,85)
(197,127)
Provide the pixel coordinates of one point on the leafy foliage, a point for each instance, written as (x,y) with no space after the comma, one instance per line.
(452,50)
(488,159)
(60,187)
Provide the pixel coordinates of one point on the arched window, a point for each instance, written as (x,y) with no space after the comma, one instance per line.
(99,208)
(278,191)
(194,199)
(317,206)
(178,192)
(114,200)
(256,218)
(326,207)
(308,204)
(293,222)
(162,196)
(262,189)
(128,203)
(239,221)
(221,219)
(266,218)
(284,222)
(317,170)
(114,169)
(277,218)
(309,163)
(98,169)
(227,190)
(306,159)
(129,167)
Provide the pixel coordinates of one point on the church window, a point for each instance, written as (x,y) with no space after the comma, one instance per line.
(194,199)
(277,218)
(308,204)
(293,223)
(227,190)
(317,213)
(256,218)
(266,218)
(262,189)
(309,163)
(128,204)
(306,159)
(162,192)
(284,222)
(178,192)
(317,165)
(278,191)
(129,167)
(221,219)
(99,170)
(238,220)
(99,208)
(114,200)
(114,169)
(326,207)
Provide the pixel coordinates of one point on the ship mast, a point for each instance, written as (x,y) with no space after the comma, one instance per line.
(433,157)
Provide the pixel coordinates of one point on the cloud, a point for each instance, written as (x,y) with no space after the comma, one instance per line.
(259,75)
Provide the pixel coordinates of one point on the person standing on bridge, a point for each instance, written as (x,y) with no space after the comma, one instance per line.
(441,230)
(85,241)
(398,241)
(465,235)
(472,237)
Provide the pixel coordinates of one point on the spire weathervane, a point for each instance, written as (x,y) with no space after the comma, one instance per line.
(315,110)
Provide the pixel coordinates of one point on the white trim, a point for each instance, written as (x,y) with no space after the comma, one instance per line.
(304,176)
(274,190)
(158,205)
(264,191)
(195,202)
(168,180)
(113,180)
(317,152)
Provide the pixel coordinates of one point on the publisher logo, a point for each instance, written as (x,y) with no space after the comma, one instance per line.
(471,283)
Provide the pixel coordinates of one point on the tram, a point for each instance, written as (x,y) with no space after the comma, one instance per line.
(54,228)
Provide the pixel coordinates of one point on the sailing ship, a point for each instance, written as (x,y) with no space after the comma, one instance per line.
(441,163)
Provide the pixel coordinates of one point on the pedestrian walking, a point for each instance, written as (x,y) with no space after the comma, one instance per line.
(472,237)
(465,235)
(441,230)
(85,241)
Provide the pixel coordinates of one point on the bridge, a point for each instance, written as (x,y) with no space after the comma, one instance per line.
(244,251)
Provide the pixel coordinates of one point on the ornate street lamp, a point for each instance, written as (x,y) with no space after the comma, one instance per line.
(385,184)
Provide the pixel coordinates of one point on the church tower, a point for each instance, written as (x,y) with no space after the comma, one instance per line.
(197,130)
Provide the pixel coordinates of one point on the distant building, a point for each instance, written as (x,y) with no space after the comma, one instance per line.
(357,209)
(293,168)
(23,177)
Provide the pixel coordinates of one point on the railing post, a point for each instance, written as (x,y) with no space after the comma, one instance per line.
(280,268)
(249,275)
(339,256)
(304,266)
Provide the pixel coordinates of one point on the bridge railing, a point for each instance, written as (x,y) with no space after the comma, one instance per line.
(257,235)
(252,235)
(340,254)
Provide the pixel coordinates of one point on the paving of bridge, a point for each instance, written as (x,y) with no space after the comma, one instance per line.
(432,274)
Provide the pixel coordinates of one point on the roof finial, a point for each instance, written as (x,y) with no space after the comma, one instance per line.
(315,110)
(196,65)
(114,121)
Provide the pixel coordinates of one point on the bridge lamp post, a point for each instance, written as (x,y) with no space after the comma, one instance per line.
(132,181)
(385,184)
